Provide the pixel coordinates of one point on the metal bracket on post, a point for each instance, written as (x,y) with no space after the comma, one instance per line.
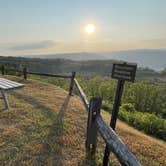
(94,111)
(72,83)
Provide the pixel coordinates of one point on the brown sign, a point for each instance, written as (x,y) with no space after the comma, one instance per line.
(124,71)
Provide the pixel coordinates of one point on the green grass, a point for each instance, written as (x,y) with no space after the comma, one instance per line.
(44,126)
(149,123)
(47,127)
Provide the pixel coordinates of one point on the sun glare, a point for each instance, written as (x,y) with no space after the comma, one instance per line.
(90,28)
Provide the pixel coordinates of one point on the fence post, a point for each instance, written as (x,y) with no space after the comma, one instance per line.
(114,116)
(72,83)
(3,70)
(91,138)
(25,73)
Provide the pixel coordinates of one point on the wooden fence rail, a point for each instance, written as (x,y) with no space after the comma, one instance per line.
(25,73)
(95,122)
(114,143)
(82,94)
(49,75)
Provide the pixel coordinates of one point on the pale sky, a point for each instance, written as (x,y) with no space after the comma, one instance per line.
(57,26)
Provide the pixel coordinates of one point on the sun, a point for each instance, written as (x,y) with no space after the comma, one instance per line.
(90,28)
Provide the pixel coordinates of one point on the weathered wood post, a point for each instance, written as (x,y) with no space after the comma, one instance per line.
(25,73)
(72,83)
(123,72)
(91,139)
(7,106)
(3,70)
(114,116)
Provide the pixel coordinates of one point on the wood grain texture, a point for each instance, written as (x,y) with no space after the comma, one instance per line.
(82,94)
(92,131)
(116,145)
(71,83)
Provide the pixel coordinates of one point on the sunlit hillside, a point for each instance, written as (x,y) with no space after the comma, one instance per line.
(47,127)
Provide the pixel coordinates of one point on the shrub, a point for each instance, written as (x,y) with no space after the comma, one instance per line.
(128,107)
(149,123)
(107,107)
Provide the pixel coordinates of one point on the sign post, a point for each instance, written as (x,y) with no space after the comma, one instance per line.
(122,72)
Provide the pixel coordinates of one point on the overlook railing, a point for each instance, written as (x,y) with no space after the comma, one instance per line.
(95,123)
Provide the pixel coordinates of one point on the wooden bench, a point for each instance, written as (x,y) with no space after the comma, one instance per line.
(8,85)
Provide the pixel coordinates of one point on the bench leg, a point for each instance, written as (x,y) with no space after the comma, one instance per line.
(7,106)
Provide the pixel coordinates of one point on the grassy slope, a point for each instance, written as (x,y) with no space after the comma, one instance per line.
(47,127)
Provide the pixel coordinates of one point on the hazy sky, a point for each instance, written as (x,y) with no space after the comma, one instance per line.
(53,26)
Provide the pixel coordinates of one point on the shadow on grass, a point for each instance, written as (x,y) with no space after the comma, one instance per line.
(89,161)
(51,152)
(3,109)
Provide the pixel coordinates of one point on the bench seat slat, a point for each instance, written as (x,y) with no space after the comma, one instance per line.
(3,87)
(2,84)
(7,84)
(10,83)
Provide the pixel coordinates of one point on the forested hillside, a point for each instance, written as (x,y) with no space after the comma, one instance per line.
(47,127)
(86,68)
(143,103)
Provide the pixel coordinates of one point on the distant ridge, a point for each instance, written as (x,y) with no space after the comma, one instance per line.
(80,56)
(152,58)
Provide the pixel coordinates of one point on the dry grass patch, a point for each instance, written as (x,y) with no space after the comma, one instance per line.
(149,151)
(47,127)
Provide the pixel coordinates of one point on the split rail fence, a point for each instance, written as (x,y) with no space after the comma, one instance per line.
(95,122)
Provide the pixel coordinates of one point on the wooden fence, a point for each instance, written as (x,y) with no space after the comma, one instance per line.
(25,73)
(95,123)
